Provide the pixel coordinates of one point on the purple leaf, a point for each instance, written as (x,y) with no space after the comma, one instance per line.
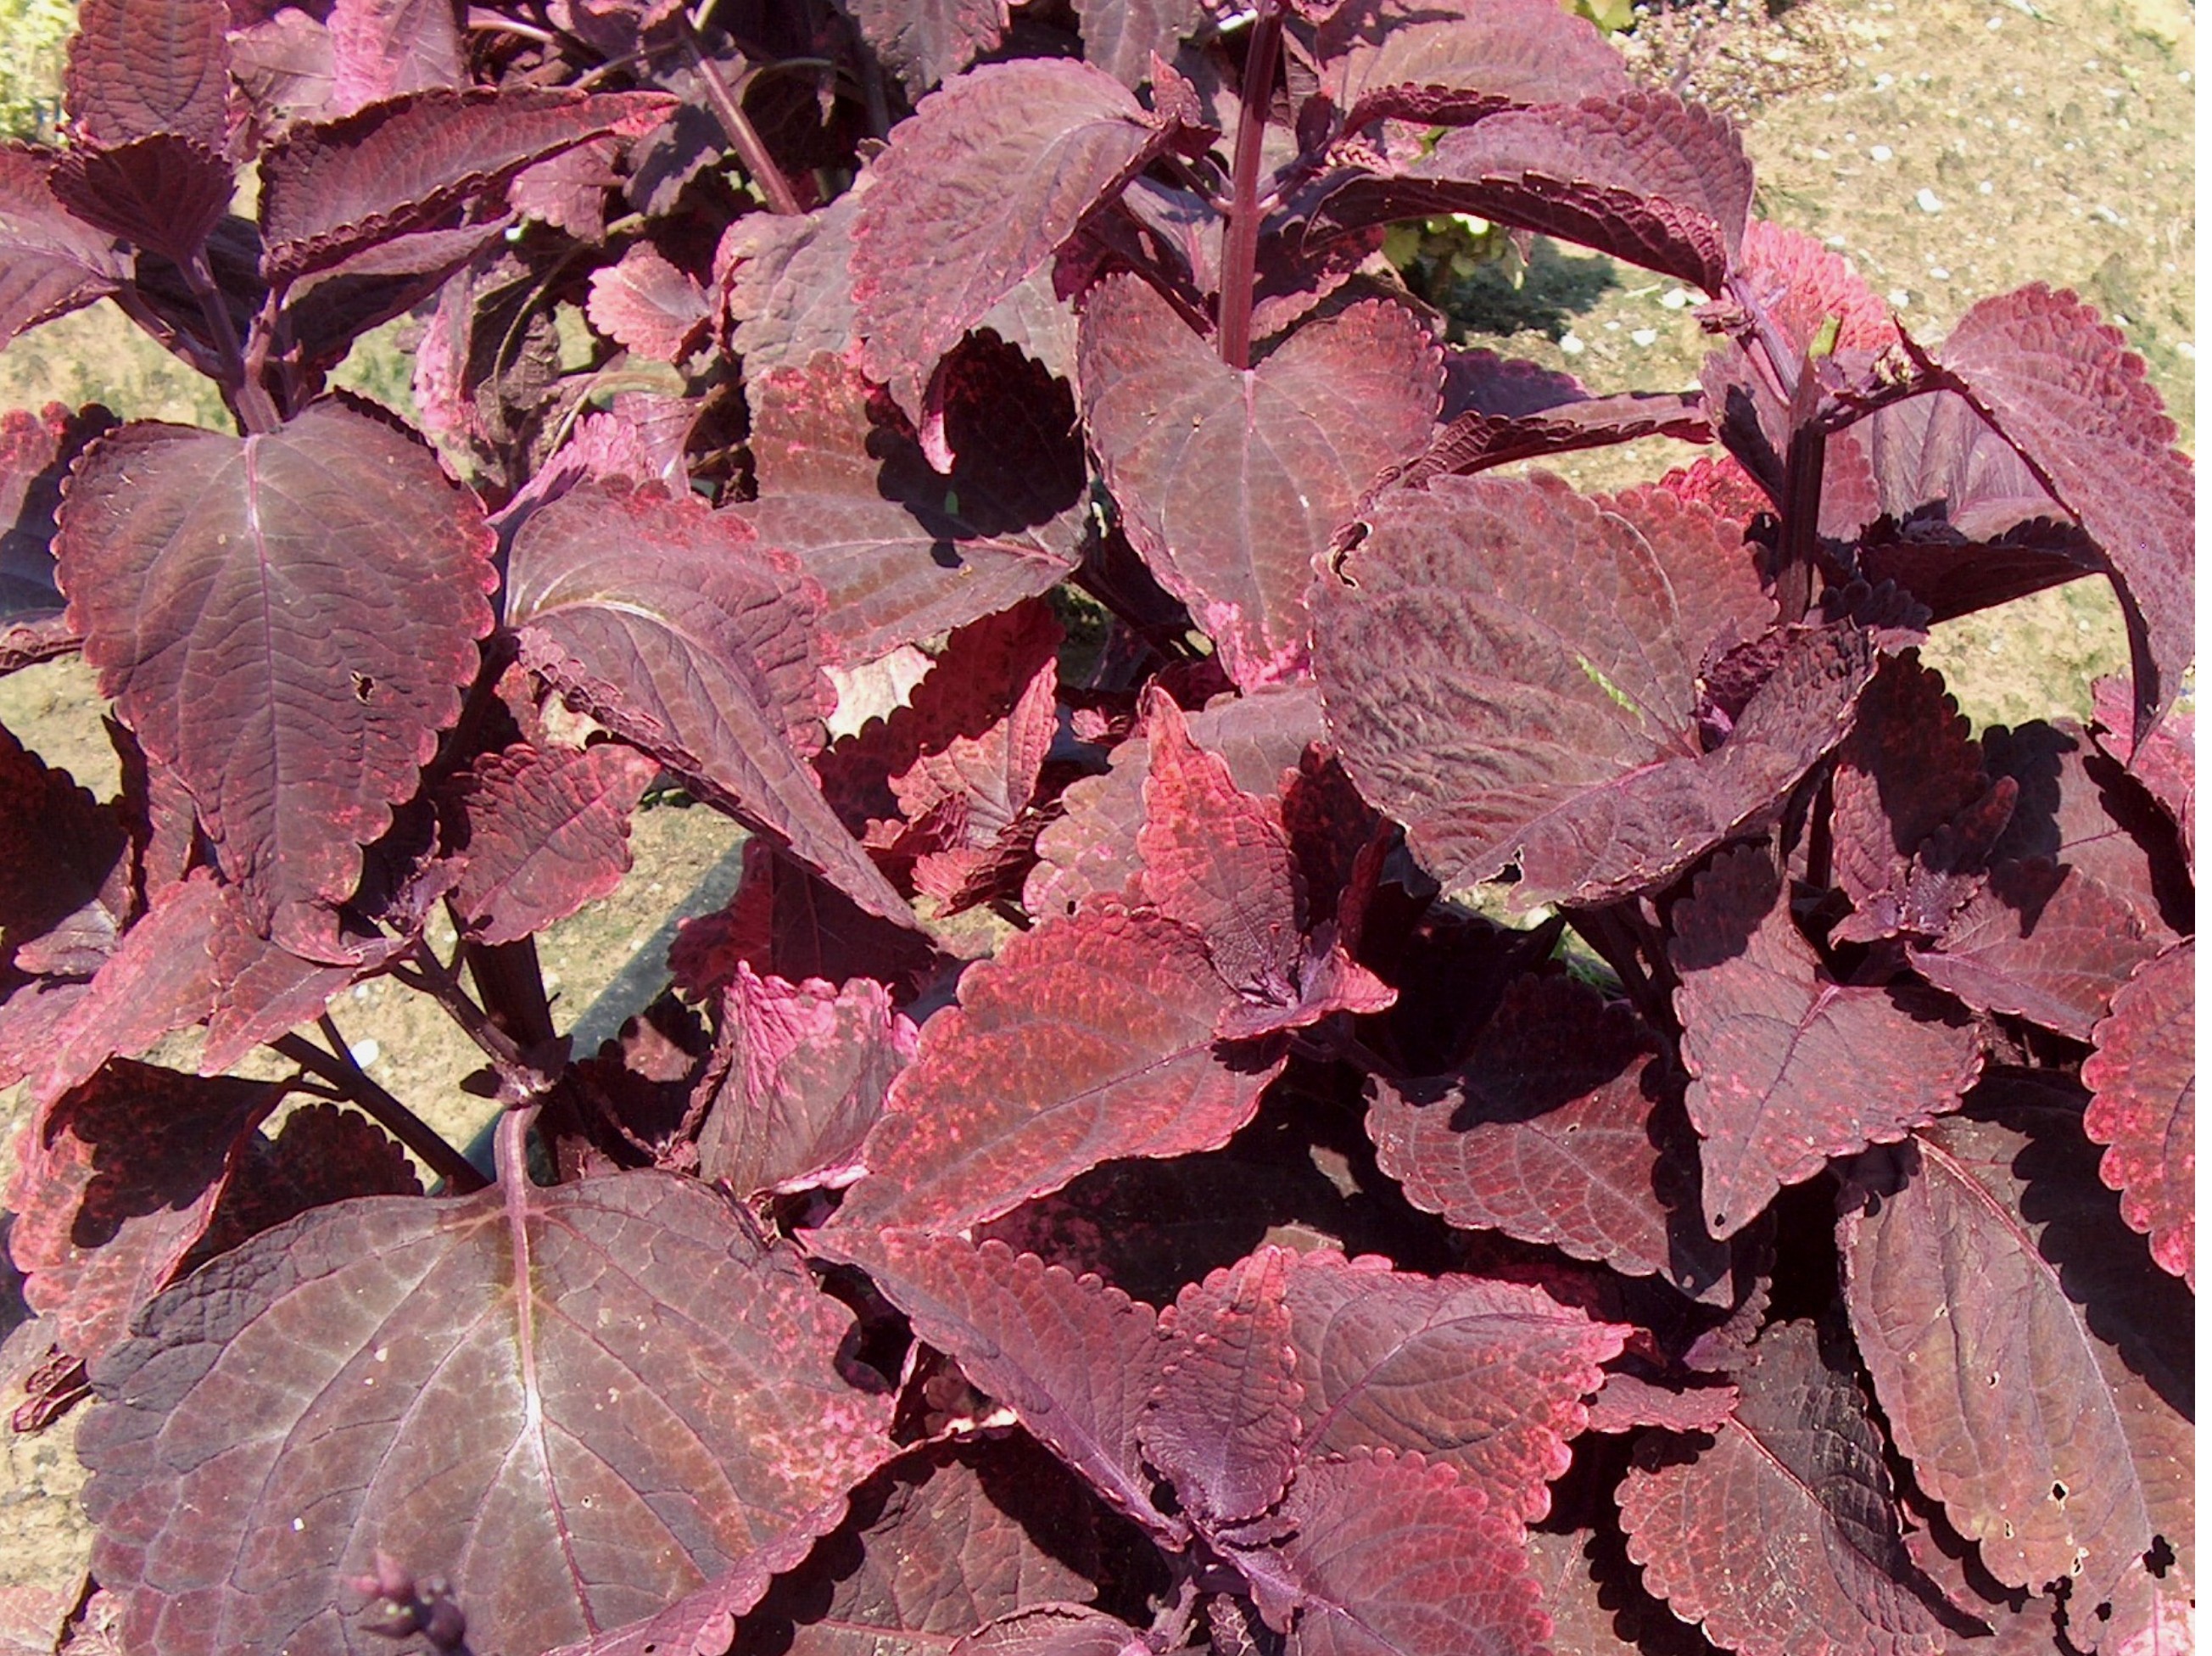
(1075,1360)
(262,990)
(648,306)
(65,874)
(285,620)
(787,922)
(118,1179)
(381,48)
(996,171)
(1547,1133)
(808,1068)
(1086,1040)
(1487,1378)
(2062,386)
(925,41)
(1626,1403)
(785,280)
(164,192)
(1788,1068)
(1458,61)
(1387,1555)
(903,552)
(51,261)
(1230,483)
(1054,1630)
(1508,704)
(140,67)
(2166,764)
(331,189)
(2032,1362)
(1782,1537)
(677,631)
(1596,1605)
(1122,36)
(546,833)
(1223,1421)
(2144,1073)
(387,1388)
(945,1541)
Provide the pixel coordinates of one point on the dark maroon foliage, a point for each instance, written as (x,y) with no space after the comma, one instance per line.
(1776,1235)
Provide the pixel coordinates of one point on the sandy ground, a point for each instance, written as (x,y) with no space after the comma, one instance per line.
(1952,149)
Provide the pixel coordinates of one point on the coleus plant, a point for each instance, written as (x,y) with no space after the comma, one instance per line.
(1517,1078)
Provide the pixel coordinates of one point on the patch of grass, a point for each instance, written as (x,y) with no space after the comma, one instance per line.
(37,33)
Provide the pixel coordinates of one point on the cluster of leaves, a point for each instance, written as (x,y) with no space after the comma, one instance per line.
(1777,1237)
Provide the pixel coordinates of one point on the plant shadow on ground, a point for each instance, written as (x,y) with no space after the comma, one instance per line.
(1542,294)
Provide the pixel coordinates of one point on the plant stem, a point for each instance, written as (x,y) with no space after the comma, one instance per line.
(248,399)
(1239,237)
(395,1118)
(434,977)
(738,126)
(1800,500)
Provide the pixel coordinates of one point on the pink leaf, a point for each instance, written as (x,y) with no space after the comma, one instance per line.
(242,598)
(1230,483)
(2144,1073)
(645,303)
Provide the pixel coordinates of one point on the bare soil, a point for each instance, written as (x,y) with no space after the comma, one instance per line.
(1951,148)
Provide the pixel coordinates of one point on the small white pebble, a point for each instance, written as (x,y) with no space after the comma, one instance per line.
(366,1051)
(1883,81)
(2186,351)
(1834,242)
(1818,153)
(1570,344)
(1928,201)
(1938,273)
(1645,336)
(1985,188)
(1882,152)
(1995,24)
(1897,298)
(2106,214)
(1673,299)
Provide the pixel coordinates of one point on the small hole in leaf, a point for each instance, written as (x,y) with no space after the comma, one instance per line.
(2058,1492)
(363,686)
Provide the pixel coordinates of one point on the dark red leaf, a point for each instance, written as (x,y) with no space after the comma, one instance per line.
(2032,1363)
(36,451)
(789,923)
(2167,763)
(1053,1630)
(2049,943)
(322,1155)
(164,192)
(1223,1419)
(924,41)
(808,1068)
(645,303)
(1086,1040)
(159,978)
(285,620)
(546,834)
(1476,440)
(941,1543)
(2144,1073)
(386,1387)
(569,191)
(1626,1403)
(1782,1537)
(1548,1133)
(1788,1068)
(1508,704)
(674,629)
(786,281)
(1457,61)
(902,552)
(118,1179)
(1487,1378)
(1093,846)
(262,990)
(1229,483)
(65,885)
(1075,1360)
(51,261)
(1121,36)
(992,174)
(1389,1556)
(331,189)
(381,48)
(2062,386)
(1597,1606)
(140,67)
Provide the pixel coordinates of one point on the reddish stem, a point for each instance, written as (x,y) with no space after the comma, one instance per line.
(738,126)
(1239,238)
(395,1118)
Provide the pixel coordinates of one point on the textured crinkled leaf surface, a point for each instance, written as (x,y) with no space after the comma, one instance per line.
(2144,1076)
(1222,1421)
(993,173)
(286,620)
(1230,481)
(1782,1537)
(1459,59)
(141,67)
(656,1404)
(1790,1067)
(1084,1041)
(1507,704)
(547,834)
(2032,1363)
(679,633)
(1547,1133)
(922,41)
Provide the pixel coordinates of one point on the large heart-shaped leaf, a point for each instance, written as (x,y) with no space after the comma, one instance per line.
(577,1404)
(286,620)
(1510,704)
(1230,482)
(677,631)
